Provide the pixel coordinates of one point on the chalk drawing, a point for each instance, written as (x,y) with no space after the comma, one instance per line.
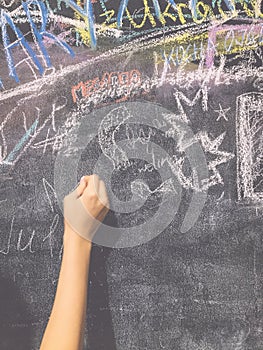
(50,235)
(7,24)
(50,192)
(116,85)
(211,147)
(249,140)
(26,246)
(6,250)
(222,113)
(11,157)
(180,97)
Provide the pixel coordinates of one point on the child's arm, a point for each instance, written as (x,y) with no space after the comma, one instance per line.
(65,328)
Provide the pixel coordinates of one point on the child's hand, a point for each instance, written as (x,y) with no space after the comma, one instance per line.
(86,207)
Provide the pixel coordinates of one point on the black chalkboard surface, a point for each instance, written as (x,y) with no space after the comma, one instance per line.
(162,99)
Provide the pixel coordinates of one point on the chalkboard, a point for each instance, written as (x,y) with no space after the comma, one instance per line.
(162,99)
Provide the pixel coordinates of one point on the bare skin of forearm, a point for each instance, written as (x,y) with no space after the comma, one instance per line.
(65,329)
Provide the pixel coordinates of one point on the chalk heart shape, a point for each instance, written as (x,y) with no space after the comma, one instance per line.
(118,156)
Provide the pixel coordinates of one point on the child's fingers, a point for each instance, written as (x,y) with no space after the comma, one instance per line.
(97,188)
(94,184)
(82,185)
(103,194)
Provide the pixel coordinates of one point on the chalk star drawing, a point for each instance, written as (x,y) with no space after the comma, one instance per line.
(211,147)
(222,112)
